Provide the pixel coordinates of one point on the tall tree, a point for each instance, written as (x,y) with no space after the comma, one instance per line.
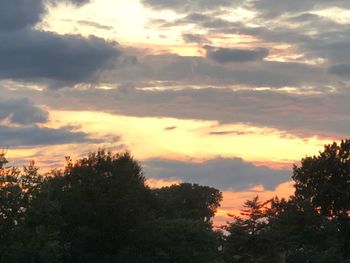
(173,240)
(188,201)
(93,206)
(246,241)
(297,232)
(324,181)
(17,190)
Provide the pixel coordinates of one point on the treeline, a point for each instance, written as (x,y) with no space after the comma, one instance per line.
(99,209)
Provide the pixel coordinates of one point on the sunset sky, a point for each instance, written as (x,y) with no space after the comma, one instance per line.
(225,93)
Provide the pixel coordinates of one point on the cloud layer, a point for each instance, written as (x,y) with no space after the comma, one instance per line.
(22,111)
(275,64)
(227,55)
(20,128)
(27,53)
(222,173)
(40,136)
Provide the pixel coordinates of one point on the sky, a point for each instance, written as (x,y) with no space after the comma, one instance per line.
(225,93)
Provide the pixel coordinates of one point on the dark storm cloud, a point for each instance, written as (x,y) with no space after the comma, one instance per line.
(188,5)
(228,55)
(27,54)
(35,136)
(223,173)
(22,111)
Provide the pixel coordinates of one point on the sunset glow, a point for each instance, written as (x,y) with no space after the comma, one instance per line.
(249,85)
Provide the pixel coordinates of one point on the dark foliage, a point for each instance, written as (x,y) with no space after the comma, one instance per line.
(99,209)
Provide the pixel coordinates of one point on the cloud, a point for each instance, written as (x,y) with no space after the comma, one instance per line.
(18,14)
(272,9)
(228,55)
(22,129)
(30,54)
(199,19)
(22,111)
(189,5)
(193,70)
(342,70)
(317,112)
(223,133)
(94,24)
(223,173)
(27,53)
(35,136)
(195,38)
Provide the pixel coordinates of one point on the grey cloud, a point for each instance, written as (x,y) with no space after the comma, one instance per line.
(313,35)
(201,71)
(94,24)
(28,54)
(342,70)
(35,136)
(272,8)
(206,21)
(17,14)
(222,133)
(195,38)
(324,113)
(223,173)
(22,111)
(77,2)
(228,55)
(202,20)
(337,51)
(189,5)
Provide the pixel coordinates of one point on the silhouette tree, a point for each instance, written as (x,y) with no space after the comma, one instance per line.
(174,240)
(17,190)
(98,209)
(324,182)
(297,232)
(246,241)
(188,201)
(92,206)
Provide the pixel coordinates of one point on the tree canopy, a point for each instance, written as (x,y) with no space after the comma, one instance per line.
(100,209)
